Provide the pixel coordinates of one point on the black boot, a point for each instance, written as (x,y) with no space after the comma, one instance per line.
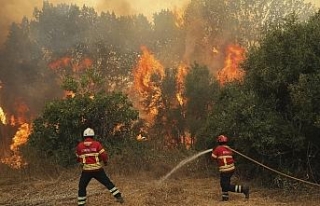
(245,191)
(225,196)
(120,199)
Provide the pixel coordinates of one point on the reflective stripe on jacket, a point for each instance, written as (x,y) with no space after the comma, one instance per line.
(224,157)
(91,155)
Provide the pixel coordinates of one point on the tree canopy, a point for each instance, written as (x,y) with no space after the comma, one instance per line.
(275,109)
(60,127)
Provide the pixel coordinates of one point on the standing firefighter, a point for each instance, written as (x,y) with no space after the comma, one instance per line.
(224,157)
(92,156)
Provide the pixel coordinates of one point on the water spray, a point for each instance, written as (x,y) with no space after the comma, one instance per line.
(183,162)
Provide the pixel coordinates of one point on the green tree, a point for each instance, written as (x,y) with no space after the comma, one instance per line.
(275,110)
(59,128)
(199,86)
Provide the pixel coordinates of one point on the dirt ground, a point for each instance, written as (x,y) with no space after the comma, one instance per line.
(141,190)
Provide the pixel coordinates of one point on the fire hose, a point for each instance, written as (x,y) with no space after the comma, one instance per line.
(183,162)
(273,170)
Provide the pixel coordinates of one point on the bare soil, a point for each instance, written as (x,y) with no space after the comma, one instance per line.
(141,190)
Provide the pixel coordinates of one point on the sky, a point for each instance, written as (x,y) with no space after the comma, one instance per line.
(15,10)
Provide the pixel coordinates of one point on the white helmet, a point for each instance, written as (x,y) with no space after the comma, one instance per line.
(88,132)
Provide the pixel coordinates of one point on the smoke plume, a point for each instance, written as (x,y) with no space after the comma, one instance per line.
(14,10)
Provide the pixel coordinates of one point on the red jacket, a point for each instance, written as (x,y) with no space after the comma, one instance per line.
(224,157)
(91,155)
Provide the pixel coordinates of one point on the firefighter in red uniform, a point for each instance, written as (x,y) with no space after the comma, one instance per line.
(92,156)
(224,157)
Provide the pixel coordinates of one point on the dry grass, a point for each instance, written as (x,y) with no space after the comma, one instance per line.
(141,189)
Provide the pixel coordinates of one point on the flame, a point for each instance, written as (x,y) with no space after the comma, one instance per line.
(215,50)
(117,128)
(3,118)
(76,66)
(12,120)
(231,70)
(83,64)
(60,63)
(182,73)
(147,74)
(145,82)
(21,137)
(178,14)
(69,94)
(141,138)
(22,109)
(147,69)
(187,140)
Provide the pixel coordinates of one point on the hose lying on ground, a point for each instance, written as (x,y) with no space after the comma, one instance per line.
(273,170)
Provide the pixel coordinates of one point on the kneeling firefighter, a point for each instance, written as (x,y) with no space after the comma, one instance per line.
(92,156)
(224,157)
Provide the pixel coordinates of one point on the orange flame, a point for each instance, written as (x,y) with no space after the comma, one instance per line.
(83,64)
(76,66)
(146,67)
(69,94)
(12,120)
(146,70)
(187,140)
(15,160)
(22,109)
(21,137)
(60,63)
(231,70)
(178,14)
(3,118)
(66,62)
(141,138)
(182,73)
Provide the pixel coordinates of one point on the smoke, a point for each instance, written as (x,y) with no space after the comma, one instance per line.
(14,10)
(145,7)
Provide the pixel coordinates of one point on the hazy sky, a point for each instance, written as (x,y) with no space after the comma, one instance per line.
(14,10)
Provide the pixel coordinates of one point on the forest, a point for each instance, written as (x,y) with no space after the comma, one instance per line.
(248,69)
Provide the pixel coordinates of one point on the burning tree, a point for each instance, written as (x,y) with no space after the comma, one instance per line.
(174,102)
(232,71)
(18,123)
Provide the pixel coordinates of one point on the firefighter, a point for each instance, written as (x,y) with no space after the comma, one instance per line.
(224,157)
(92,156)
